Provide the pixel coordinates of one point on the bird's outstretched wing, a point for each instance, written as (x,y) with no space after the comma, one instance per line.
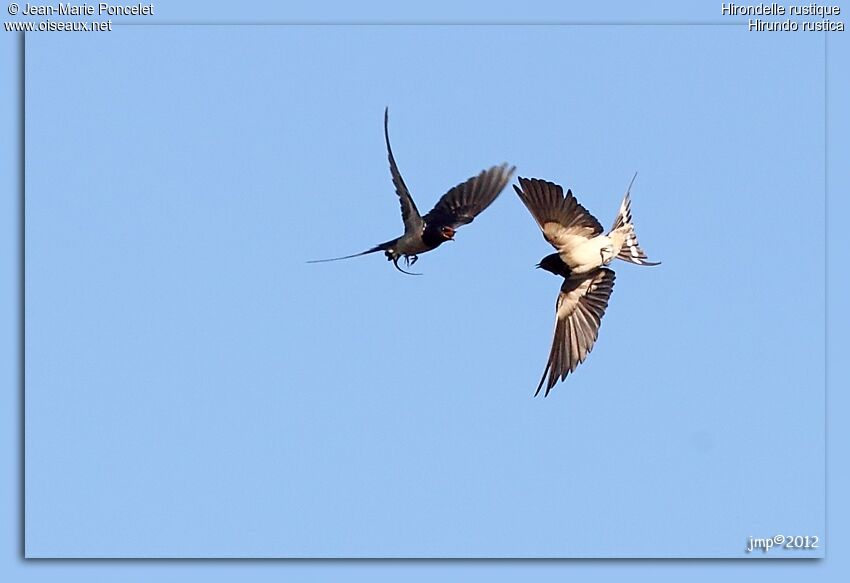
(409,213)
(579,310)
(562,219)
(460,205)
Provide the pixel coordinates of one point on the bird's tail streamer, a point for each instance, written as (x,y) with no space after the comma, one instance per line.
(624,230)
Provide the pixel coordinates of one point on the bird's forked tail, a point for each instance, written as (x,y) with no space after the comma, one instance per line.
(624,236)
(375,249)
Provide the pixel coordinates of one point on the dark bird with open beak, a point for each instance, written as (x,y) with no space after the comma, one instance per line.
(458,207)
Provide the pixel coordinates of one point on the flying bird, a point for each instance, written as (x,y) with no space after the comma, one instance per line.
(458,207)
(583,252)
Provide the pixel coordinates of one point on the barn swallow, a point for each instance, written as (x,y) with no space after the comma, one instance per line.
(458,207)
(582,257)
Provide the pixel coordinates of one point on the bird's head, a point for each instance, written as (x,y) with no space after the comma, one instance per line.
(553,264)
(447,233)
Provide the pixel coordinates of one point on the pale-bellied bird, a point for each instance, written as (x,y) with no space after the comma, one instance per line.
(583,251)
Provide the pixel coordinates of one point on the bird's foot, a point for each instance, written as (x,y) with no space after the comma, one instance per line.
(395,262)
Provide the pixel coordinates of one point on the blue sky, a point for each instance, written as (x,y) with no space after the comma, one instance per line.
(198,390)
